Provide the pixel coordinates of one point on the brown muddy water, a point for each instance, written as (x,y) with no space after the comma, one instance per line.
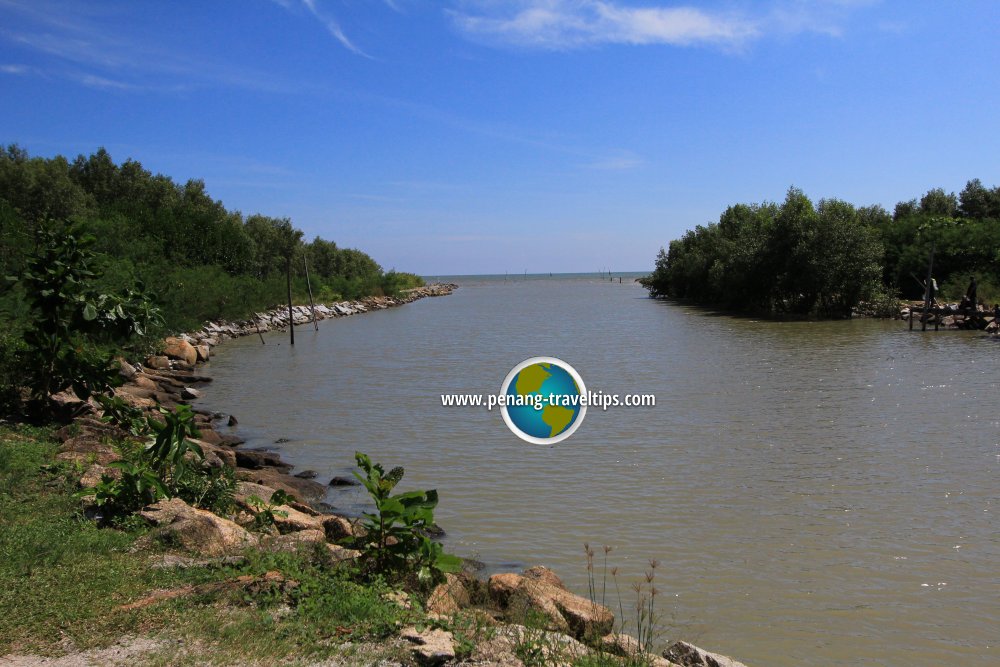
(817,493)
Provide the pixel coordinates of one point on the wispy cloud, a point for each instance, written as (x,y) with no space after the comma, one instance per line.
(566,24)
(79,45)
(17,70)
(620,161)
(572,24)
(331,24)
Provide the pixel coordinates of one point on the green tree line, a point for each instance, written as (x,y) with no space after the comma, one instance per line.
(823,260)
(197,259)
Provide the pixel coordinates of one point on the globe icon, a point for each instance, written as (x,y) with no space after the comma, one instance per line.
(545,400)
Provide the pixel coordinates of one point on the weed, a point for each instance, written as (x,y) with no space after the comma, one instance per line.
(647,619)
(396,541)
(265,512)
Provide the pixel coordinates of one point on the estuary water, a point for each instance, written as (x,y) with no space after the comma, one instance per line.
(816,493)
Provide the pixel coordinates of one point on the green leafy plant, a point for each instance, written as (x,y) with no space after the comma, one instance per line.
(396,541)
(136,486)
(168,451)
(70,319)
(266,512)
(209,488)
(123,415)
(169,465)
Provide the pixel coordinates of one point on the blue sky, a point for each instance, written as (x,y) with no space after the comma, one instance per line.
(484,136)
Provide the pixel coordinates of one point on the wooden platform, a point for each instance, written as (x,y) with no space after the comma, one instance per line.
(967,319)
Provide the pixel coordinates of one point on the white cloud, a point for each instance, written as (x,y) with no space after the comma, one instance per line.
(563,24)
(334,29)
(18,70)
(100,82)
(331,25)
(569,24)
(78,46)
(620,161)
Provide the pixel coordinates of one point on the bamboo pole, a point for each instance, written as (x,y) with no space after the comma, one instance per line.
(927,289)
(312,306)
(288,282)
(256,323)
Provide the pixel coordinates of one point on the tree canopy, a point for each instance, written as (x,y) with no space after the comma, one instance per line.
(804,260)
(198,259)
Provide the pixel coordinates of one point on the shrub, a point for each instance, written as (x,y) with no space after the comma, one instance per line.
(396,543)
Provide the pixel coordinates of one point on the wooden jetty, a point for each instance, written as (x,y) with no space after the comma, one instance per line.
(953,317)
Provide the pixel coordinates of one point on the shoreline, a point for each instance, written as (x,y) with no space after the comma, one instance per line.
(171,379)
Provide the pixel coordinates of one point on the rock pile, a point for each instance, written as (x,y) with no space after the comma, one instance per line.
(277,318)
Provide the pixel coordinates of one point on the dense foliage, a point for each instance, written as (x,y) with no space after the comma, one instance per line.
(72,327)
(168,464)
(822,261)
(200,260)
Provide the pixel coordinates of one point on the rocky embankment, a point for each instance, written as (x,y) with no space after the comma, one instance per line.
(200,537)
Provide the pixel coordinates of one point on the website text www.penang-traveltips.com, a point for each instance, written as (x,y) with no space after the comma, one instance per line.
(539,401)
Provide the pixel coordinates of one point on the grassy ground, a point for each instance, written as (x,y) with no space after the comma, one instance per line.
(65,584)
(63,581)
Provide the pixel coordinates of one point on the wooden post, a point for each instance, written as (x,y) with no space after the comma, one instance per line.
(911,318)
(927,289)
(288,281)
(312,306)
(256,323)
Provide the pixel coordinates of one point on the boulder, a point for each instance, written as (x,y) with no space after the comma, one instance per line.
(339,553)
(621,645)
(255,460)
(65,405)
(303,489)
(190,393)
(502,587)
(144,382)
(544,575)
(95,473)
(125,369)
(158,362)
(224,454)
(207,434)
(337,528)
(689,655)
(202,352)
(306,474)
(196,530)
(430,647)
(343,481)
(449,597)
(566,611)
(244,490)
(180,349)
(287,519)
(87,448)
(292,542)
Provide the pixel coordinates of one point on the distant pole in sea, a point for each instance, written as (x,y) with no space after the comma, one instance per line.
(256,323)
(312,306)
(927,289)
(288,282)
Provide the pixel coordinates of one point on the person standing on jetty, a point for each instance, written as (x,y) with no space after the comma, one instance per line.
(970,294)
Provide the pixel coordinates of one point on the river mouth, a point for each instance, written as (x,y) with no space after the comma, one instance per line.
(817,493)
